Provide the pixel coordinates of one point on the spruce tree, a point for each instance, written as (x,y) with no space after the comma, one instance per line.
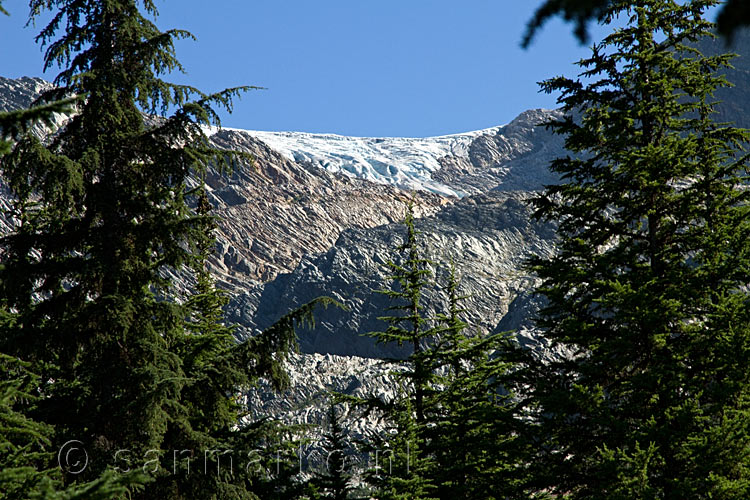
(406,473)
(27,458)
(408,323)
(648,293)
(334,481)
(467,439)
(104,212)
(474,438)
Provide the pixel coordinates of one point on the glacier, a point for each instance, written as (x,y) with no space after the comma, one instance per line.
(404,162)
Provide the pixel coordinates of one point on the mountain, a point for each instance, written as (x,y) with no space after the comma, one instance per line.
(21,92)
(275,211)
(487,235)
(451,165)
(319,214)
(735,101)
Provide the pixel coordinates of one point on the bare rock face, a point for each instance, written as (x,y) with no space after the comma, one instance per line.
(515,157)
(21,92)
(487,236)
(276,211)
(313,379)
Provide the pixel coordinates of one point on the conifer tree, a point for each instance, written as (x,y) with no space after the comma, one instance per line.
(474,438)
(334,481)
(406,473)
(408,324)
(27,464)
(454,341)
(28,467)
(648,292)
(468,442)
(401,469)
(120,360)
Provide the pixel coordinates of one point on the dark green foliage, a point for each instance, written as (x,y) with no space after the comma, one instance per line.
(399,464)
(334,480)
(405,465)
(408,324)
(24,442)
(463,438)
(105,212)
(455,345)
(476,444)
(28,463)
(734,14)
(404,476)
(648,290)
(29,467)
(475,439)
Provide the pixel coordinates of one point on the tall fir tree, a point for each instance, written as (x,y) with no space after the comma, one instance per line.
(475,437)
(334,480)
(648,293)
(405,475)
(466,439)
(407,323)
(27,458)
(120,361)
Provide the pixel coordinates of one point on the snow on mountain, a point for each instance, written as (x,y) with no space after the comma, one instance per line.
(407,163)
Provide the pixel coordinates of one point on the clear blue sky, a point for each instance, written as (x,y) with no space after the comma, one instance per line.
(353,67)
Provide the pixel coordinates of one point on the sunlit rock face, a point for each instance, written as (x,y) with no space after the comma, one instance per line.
(21,92)
(487,236)
(319,214)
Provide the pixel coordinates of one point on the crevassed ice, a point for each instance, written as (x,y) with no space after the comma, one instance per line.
(400,161)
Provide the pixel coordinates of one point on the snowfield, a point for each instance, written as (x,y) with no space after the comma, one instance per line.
(404,162)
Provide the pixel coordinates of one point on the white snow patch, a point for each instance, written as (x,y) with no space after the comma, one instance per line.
(400,161)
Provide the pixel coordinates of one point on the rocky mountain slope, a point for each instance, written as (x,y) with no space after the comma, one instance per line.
(21,92)
(295,225)
(488,237)
(275,211)
(319,214)
(735,100)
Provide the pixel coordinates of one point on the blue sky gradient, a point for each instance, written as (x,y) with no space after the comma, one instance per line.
(364,68)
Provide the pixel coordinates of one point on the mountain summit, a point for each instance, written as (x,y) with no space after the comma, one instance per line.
(319,214)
